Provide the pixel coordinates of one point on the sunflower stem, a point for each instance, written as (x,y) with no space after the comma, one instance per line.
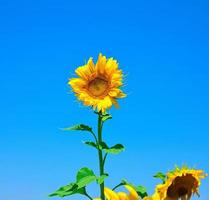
(101,166)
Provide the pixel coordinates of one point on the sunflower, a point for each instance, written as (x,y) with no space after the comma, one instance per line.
(98,85)
(181,183)
(111,195)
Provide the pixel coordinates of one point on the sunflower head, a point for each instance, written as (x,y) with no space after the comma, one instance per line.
(181,183)
(98,85)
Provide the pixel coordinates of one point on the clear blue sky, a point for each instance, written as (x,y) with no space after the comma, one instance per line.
(163,47)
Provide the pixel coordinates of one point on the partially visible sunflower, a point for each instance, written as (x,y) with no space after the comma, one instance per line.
(181,183)
(98,85)
(111,195)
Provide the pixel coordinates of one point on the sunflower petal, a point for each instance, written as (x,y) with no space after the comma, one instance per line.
(101,63)
(110,195)
(111,66)
(86,71)
(122,196)
(132,193)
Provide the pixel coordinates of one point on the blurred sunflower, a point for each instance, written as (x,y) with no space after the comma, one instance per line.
(111,195)
(98,85)
(181,183)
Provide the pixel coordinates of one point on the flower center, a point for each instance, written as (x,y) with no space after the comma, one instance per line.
(98,86)
(182,191)
(181,186)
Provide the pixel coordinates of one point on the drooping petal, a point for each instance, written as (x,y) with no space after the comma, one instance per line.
(110,195)
(115,103)
(132,193)
(122,196)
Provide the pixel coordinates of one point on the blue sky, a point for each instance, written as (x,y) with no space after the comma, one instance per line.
(163,48)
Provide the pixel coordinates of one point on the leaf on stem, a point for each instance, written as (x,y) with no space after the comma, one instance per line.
(68,190)
(105,117)
(91,144)
(84,177)
(79,127)
(116,149)
(101,178)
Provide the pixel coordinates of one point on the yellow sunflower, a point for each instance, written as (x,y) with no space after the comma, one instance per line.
(98,85)
(111,195)
(181,183)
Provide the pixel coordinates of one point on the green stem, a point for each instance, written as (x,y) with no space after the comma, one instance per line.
(94,137)
(120,184)
(101,167)
(88,196)
(105,156)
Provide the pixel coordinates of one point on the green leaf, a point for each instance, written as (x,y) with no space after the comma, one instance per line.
(84,177)
(161,176)
(68,190)
(79,127)
(105,117)
(101,178)
(92,144)
(116,149)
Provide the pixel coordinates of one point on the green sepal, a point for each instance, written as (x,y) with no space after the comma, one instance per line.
(79,127)
(116,149)
(141,190)
(161,176)
(105,117)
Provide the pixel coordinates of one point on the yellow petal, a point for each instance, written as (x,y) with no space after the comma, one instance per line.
(104,104)
(86,71)
(148,198)
(101,63)
(110,195)
(115,103)
(122,196)
(111,66)
(114,92)
(77,84)
(91,66)
(121,95)
(133,194)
